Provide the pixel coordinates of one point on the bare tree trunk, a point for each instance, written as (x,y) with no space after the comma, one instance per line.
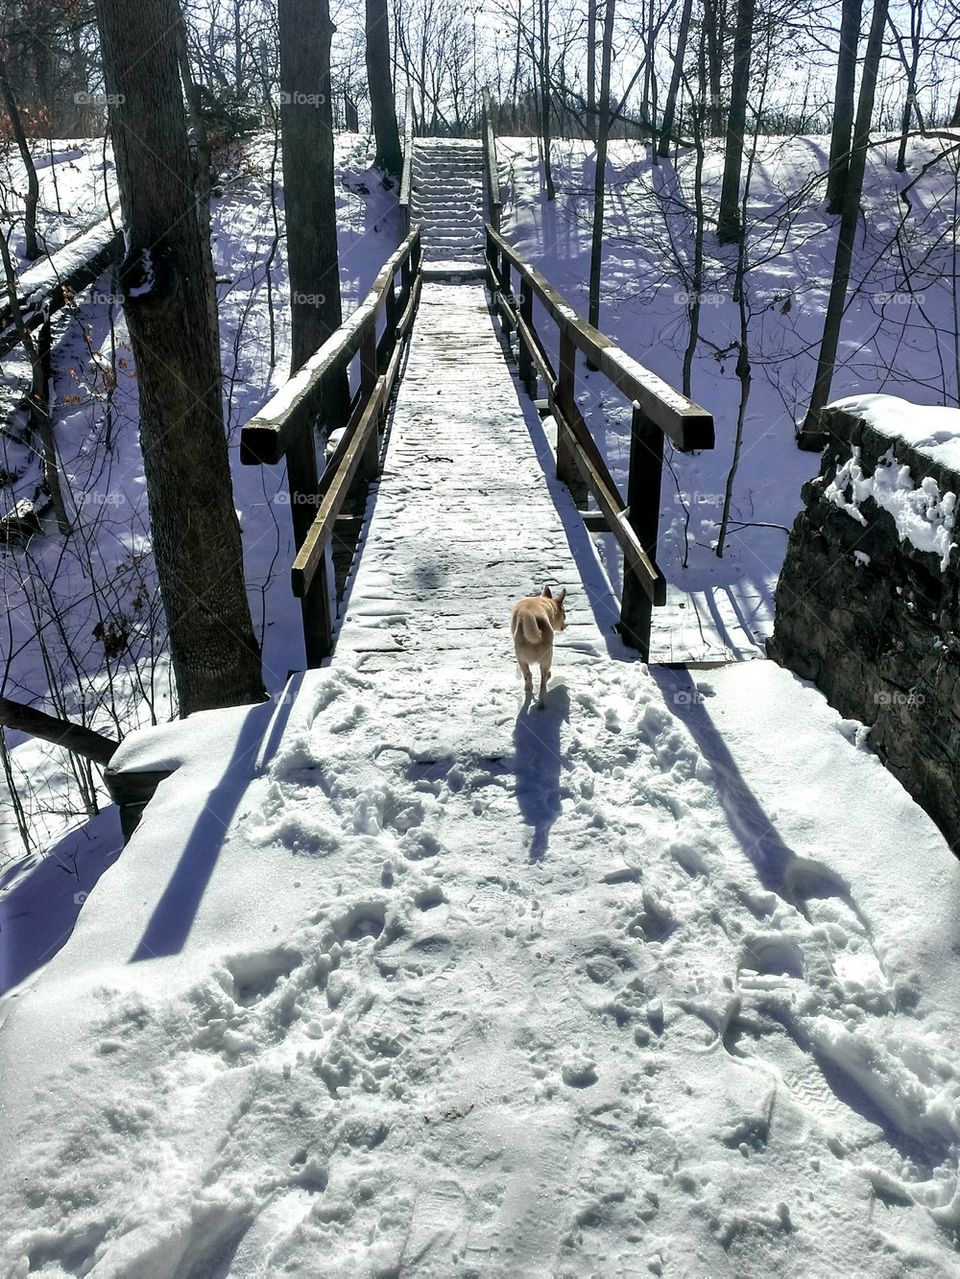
(383,108)
(955,118)
(713,16)
(31,247)
(698,116)
(652,31)
(910,105)
(306,122)
(843,105)
(599,182)
(810,436)
(201,174)
(515,116)
(743,371)
(592,69)
(728,219)
(670,106)
(545,103)
(196,535)
(237,51)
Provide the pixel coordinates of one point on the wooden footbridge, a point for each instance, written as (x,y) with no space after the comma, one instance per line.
(464,520)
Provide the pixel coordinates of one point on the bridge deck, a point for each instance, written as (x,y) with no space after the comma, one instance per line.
(464,520)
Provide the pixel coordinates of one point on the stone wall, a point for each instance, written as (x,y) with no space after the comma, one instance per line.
(871,619)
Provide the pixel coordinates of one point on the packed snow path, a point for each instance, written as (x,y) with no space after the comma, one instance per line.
(465,519)
(401,976)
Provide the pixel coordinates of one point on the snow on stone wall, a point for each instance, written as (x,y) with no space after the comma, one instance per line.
(867,603)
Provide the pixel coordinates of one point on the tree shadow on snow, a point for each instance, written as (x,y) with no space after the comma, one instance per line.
(258,739)
(40,912)
(780,870)
(537,763)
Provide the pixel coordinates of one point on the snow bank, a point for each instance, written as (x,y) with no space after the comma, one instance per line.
(931,429)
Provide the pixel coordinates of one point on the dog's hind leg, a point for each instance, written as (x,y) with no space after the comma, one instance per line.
(544,676)
(527,677)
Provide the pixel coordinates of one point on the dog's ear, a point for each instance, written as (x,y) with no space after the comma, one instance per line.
(562,596)
(548,593)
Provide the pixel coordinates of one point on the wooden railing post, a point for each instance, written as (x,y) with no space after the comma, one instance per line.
(566,386)
(317,605)
(368,380)
(643,514)
(491,177)
(390,308)
(406,178)
(406,281)
(503,274)
(524,358)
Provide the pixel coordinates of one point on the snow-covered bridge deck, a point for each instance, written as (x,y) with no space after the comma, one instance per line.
(465,519)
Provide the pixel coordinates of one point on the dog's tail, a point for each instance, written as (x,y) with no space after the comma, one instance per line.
(531,631)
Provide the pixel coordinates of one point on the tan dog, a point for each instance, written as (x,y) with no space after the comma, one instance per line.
(532,625)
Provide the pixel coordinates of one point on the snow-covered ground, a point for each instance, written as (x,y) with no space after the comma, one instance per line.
(397,980)
(401,976)
(899,337)
(118,676)
(109,663)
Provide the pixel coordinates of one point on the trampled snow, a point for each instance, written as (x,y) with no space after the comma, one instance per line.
(399,977)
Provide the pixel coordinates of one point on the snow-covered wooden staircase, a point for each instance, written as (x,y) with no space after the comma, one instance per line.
(447,202)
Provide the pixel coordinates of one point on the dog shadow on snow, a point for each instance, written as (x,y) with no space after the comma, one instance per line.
(537,763)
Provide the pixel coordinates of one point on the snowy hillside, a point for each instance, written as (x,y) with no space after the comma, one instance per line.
(112,668)
(899,336)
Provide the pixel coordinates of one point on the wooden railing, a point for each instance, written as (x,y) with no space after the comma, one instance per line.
(658,411)
(44,287)
(406,179)
(491,173)
(284,429)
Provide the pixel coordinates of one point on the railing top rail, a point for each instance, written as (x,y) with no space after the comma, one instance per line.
(406,179)
(490,158)
(684,422)
(265,438)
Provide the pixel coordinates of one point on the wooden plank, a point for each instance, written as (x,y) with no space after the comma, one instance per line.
(643,503)
(266,438)
(61,732)
(687,424)
(132,792)
(341,470)
(611,505)
(406,319)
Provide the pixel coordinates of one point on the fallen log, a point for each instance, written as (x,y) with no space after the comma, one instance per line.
(62,732)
